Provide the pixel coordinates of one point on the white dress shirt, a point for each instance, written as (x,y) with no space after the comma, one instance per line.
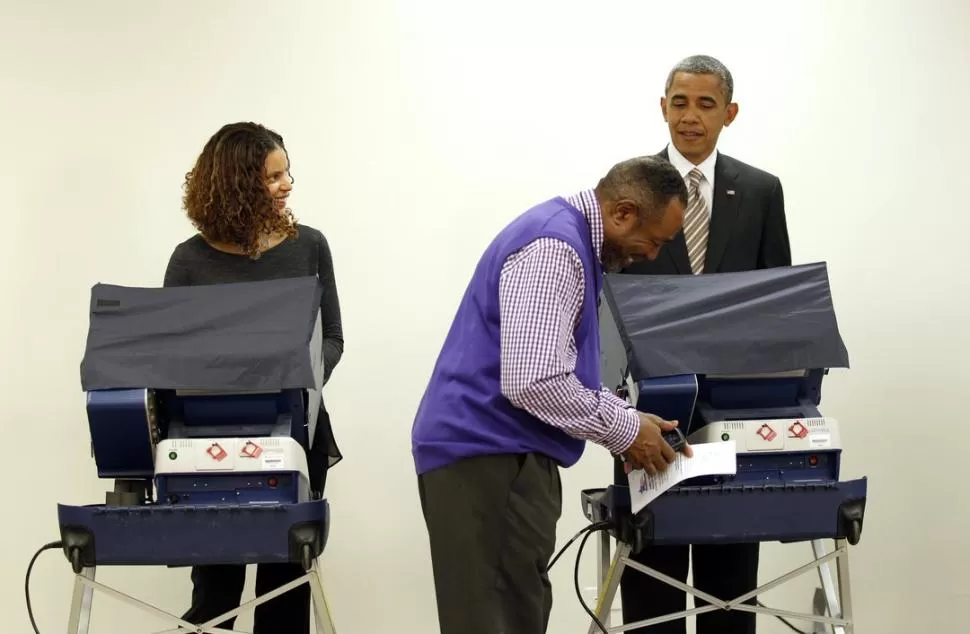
(707,169)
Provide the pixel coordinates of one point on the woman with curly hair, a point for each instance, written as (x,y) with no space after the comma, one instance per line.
(236,197)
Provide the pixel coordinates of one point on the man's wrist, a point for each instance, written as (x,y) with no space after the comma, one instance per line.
(623,432)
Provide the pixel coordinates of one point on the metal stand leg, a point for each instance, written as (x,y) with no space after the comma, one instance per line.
(839,620)
(603,565)
(321,609)
(608,583)
(80,617)
(819,549)
(85,585)
(845,591)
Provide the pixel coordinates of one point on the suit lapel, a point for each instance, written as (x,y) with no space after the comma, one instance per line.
(724,212)
(676,249)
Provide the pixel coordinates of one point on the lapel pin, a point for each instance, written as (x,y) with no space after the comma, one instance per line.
(730,192)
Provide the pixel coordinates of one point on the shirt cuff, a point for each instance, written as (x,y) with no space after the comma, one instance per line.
(623,431)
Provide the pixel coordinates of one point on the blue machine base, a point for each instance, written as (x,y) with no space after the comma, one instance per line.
(724,514)
(181,535)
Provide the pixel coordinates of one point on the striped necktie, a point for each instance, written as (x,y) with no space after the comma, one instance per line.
(696,220)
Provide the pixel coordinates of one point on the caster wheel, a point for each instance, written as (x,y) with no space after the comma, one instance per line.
(306,557)
(75,554)
(855,532)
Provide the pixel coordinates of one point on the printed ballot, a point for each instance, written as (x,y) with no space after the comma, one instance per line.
(712,458)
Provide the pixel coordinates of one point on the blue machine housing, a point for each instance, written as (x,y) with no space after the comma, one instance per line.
(696,401)
(190,535)
(268,487)
(761,398)
(197,518)
(728,347)
(126,424)
(789,496)
(123,425)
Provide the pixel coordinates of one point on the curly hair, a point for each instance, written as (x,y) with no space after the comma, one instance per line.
(226,197)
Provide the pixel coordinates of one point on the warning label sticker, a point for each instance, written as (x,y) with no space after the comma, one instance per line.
(251,450)
(216,452)
(767,433)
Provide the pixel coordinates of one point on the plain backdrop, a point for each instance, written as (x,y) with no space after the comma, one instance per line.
(416,129)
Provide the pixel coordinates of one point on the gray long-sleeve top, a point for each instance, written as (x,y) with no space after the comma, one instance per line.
(195,263)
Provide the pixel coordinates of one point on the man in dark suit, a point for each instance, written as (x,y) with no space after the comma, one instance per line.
(735,221)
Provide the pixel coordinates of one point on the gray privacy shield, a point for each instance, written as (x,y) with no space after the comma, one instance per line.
(252,336)
(772,320)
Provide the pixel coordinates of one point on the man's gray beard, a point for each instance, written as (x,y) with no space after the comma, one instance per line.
(611,258)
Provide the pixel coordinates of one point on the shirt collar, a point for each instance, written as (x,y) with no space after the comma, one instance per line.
(585,201)
(684,166)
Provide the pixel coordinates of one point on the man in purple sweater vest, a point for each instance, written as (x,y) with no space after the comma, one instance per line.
(516,393)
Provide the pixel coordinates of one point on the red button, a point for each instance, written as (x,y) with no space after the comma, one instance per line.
(272,482)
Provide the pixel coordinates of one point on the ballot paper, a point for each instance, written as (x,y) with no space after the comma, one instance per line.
(712,458)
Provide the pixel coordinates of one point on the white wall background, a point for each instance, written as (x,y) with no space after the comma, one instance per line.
(416,129)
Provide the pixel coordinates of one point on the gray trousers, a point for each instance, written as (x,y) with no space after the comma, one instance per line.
(492,526)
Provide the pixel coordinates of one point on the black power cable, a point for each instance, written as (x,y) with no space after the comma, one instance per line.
(30,568)
(585,534)
(579,593)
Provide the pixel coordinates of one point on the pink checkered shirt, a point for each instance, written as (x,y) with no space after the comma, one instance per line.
(541,294)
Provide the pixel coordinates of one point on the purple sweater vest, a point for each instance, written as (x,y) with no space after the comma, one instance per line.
(463,413)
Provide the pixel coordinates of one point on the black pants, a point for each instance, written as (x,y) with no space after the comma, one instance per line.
(218,589)
(492,527)
(723,571)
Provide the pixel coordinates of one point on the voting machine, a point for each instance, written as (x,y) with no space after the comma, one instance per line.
(737,358)
(201,407)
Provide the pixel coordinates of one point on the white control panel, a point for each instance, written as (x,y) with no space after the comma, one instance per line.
(229,455)
(774,435)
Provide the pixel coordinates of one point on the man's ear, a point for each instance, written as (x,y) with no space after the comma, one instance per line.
(663,107)
(625,212)
(732,111)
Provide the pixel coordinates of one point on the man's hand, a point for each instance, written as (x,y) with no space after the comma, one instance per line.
(650,451)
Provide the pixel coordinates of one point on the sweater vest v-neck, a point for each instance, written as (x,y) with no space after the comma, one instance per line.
(463,412)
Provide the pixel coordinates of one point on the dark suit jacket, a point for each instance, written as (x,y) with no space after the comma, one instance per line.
(748,229)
